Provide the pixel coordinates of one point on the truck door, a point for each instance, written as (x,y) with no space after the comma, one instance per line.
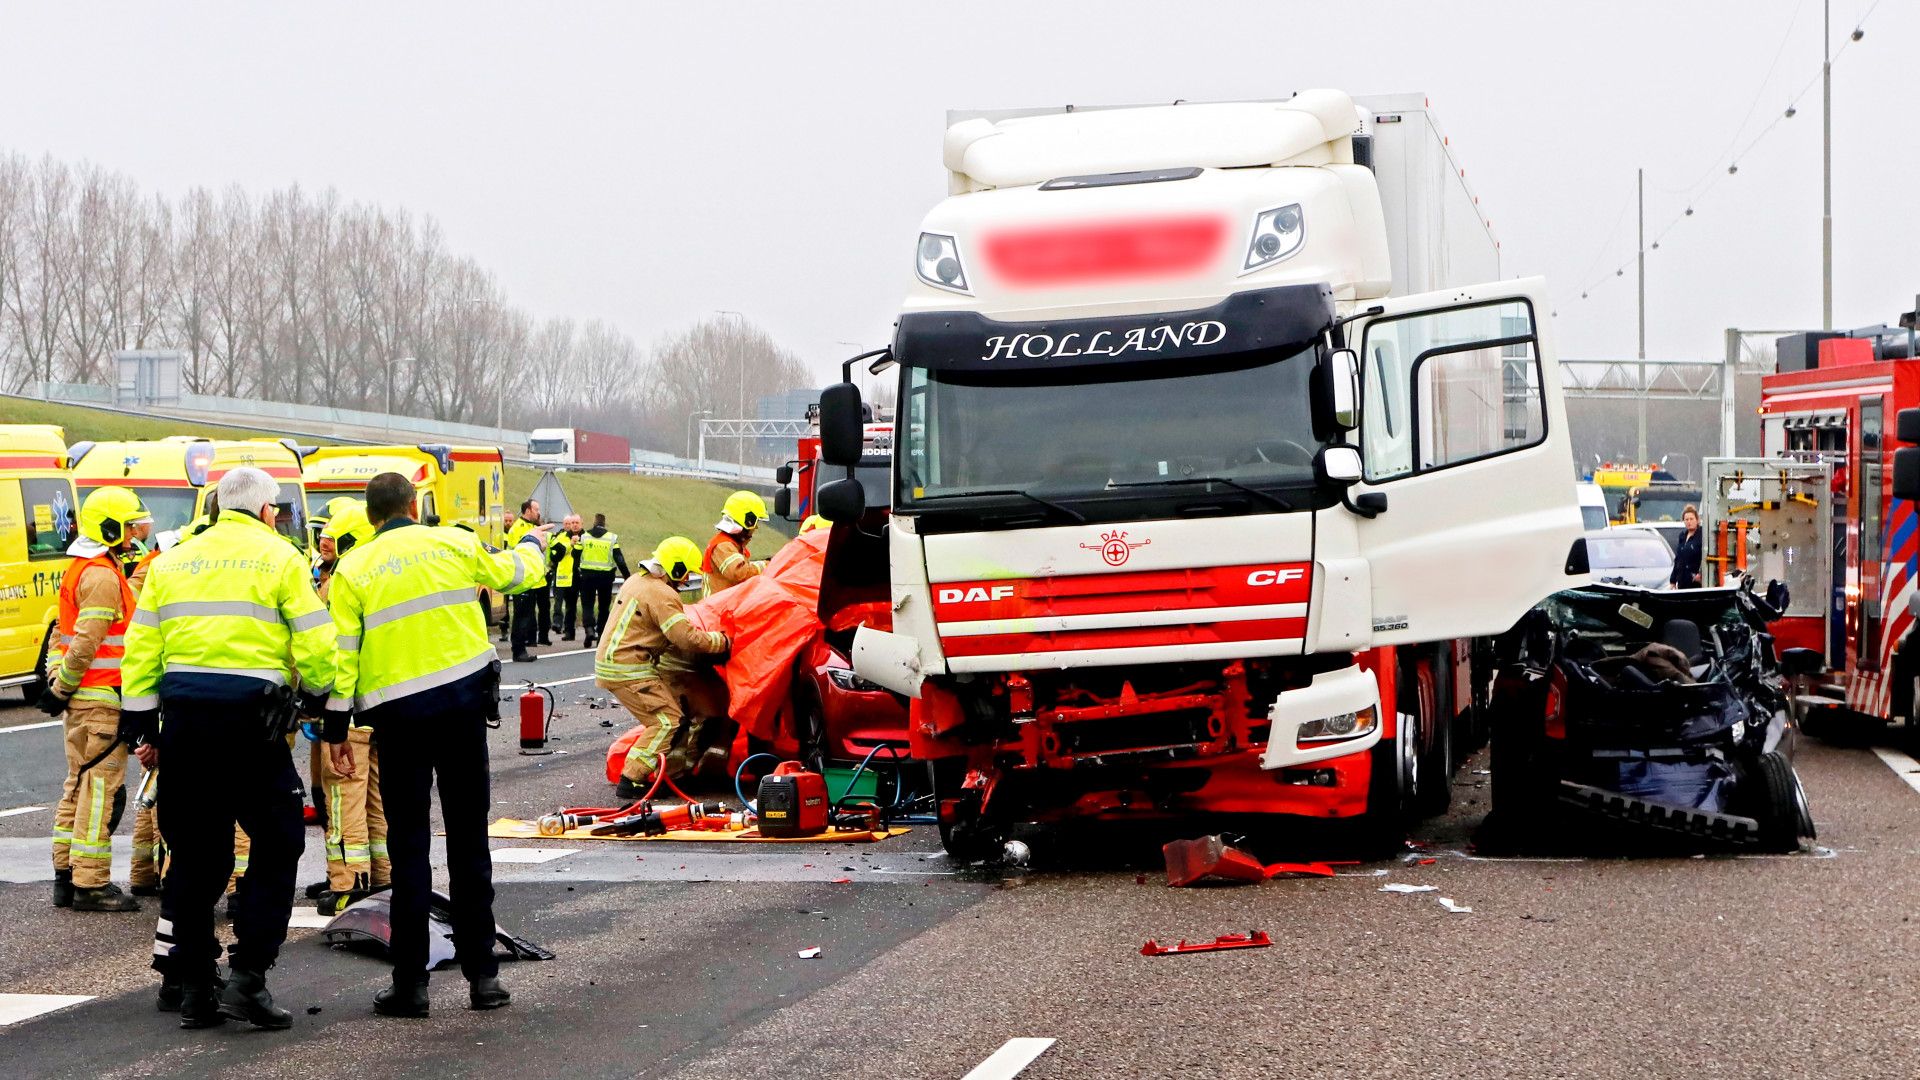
(1463,430)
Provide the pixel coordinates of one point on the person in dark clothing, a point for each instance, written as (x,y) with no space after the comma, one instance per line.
(1686,557)
(599,555)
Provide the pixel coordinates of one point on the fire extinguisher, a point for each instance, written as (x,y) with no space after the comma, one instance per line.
(536,719)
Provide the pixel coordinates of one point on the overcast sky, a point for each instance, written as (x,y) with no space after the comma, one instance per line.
(649,164)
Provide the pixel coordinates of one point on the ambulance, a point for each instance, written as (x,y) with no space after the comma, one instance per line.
(38,515)
(457,485)
(175,476)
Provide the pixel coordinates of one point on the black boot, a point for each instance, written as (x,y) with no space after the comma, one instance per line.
(630,789)
(199,1004)
(522,656)
(402,999)
(146,890)
(63,888)
(487,994)
(173,993)
(246,998)
(105,898)
(317,889)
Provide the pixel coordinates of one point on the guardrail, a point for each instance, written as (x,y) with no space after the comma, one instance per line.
(250,414)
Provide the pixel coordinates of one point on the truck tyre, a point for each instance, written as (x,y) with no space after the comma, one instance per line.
(969,837)
(1382,828)
(1779,804)
(1422,691)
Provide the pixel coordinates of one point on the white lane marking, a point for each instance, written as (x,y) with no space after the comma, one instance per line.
(556,682)
(308,920)
(1903,766)
(21,810)
(17,1007)
(31,727)
(530,854)
(1013,1056)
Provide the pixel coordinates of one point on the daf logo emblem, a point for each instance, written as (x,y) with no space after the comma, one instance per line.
(1114,548)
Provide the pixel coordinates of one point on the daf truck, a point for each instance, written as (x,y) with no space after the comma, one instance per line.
(1219,434)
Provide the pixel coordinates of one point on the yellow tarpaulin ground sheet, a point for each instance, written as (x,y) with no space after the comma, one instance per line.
(515,829)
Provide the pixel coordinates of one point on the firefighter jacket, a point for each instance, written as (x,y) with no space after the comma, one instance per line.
(649,623)
(229,616)
(600,552)
(96,603)
(727,563)
(403,606)
(561,553)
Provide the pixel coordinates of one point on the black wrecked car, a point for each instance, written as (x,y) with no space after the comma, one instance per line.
(1665,711)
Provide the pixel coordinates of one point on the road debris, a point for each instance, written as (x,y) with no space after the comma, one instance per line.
(1258,939)
(1457,909)
(1403,887)
(809,954)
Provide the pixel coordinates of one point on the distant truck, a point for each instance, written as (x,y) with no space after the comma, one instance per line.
(577,446)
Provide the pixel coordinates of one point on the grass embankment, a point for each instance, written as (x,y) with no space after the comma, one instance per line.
(642,509)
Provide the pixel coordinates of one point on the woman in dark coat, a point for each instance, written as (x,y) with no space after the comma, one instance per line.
(1686,557)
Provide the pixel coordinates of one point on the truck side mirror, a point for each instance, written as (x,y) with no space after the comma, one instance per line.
(1344,368)
(1801,662)
(784,474)
(1907,425)
(1906,470)
(841,431)
(843,500)
(1340,465)
(783,503)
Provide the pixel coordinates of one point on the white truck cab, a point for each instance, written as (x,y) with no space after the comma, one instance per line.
(1175,459)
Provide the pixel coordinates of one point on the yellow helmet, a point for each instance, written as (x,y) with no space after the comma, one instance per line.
(347,525)
(334,506)
(745,509)
(677,557)
(109,512)
(814,521)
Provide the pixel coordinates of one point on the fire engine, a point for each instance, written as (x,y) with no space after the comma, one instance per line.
(1217,429)
(1831,405)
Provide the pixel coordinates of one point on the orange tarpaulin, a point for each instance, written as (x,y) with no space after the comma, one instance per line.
(769,618)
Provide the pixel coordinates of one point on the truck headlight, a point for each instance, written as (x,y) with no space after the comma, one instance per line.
(937,260)
(1277,233)
(1339,726)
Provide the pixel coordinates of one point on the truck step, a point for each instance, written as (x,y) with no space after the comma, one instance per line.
(1725,828)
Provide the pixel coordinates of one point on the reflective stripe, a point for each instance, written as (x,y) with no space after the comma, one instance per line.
(142,703)
(272,675)
(378,848)
(624,672)
(339,704)
(414,607)
(105,694)
(727,564)
(104,663)
(147,617)
(241,608)
(419,683)
(347,643)
(67,678)
(114,641)
(673,620)
(519,571)
(111,614)
(312,620)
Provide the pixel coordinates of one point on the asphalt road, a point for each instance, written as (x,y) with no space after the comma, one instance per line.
(681,960)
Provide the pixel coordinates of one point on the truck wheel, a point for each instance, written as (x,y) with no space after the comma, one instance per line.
(38,686)
(1780,805)
(969,837)
(1421,693)
(1391,778)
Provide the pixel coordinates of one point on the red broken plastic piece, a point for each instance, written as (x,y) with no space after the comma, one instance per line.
(1256,940)
(1311,869)
(1190,860)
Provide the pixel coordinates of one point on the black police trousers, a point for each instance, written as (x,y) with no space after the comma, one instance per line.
(530,617)
(596,600)
(221,768)
(421,738)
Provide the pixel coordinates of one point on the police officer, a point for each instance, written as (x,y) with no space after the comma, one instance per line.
(649,645)
(599,555)
(727,561)
(530,615)
(84,670)
(224,627)
(416,666)
(564,556)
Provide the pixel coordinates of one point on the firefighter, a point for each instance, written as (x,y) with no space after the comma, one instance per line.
(356,837)
(84,678)
(649,627)
(415,665)
(727,562)
(530,614)
(814,521)
(224,628)
(564,555)
(599,556)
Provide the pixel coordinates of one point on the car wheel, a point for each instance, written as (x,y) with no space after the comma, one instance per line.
(1779,804)
(38,686)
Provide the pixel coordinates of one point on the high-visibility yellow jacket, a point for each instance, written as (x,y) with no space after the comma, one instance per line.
(561,552)
(403,607)
(236,604)
(521,527)
(597,553)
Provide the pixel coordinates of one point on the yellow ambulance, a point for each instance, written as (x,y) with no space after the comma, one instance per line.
(457,485)
(38,516)
(175,476)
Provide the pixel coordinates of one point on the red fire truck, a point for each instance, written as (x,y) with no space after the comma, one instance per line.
(1838,411)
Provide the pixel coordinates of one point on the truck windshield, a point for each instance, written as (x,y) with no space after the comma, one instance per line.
(546,446)
(1133,430)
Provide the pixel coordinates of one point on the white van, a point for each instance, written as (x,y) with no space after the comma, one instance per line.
(1593,506)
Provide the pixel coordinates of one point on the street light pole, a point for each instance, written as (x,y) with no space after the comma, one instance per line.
(1826,166)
